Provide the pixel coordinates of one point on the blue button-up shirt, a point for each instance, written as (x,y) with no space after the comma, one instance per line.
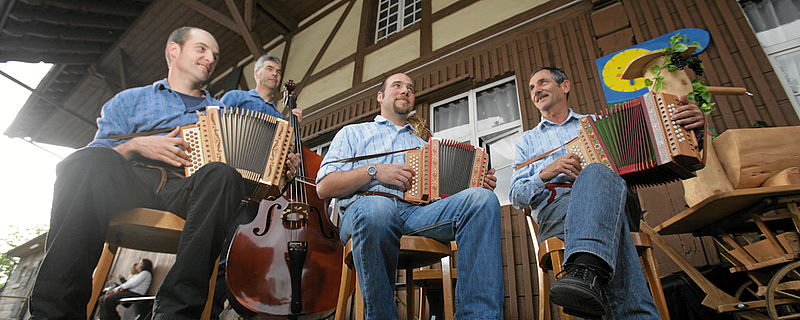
(143,109)
(250,100)
(368,138)
(527,188)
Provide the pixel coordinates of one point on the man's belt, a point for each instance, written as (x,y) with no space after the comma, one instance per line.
(383,194)
(552,187)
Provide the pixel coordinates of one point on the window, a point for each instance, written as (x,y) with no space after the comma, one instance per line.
(775,23)
(396,15)
(488,117)
(322,149)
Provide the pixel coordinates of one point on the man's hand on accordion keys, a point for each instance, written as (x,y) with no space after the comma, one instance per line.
(490,181)
(168,148)
(569,164)
(395,174)
(689,115)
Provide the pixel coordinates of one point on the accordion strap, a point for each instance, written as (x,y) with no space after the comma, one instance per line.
(138,134)
(370,156)
(539,157)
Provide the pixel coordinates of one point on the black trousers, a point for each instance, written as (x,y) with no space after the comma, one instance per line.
(107,304)
(95,184)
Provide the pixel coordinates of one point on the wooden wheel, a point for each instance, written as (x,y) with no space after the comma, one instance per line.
(783,293)
(747,293)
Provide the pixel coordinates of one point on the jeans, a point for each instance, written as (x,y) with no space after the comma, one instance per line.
(471,217)
(592,219)
(95,184)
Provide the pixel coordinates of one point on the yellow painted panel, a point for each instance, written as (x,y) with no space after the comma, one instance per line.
(345,42)
(326,87)
(391,55)
(306,44)
(437,5)
(476,17)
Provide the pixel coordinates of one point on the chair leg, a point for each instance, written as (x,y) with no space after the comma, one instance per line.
(210,299)
(421,302)
(100,275)
(544,293)
(345,286)
(447,289)
(410,293)
(359,308)
(651,274)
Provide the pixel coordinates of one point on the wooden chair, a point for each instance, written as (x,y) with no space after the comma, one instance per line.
(415,252)
(437,277)
(146,230)
(551,256)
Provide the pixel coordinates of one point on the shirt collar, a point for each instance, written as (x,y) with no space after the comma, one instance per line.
(380,119)
(544,122)
(254,93)
(164,84)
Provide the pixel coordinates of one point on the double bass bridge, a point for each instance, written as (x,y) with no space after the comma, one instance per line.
(295,215)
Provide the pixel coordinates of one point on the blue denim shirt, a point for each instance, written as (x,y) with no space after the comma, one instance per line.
(527,188)
(250,100)
(143,109)
(368,138)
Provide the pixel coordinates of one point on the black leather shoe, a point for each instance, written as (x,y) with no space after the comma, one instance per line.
(579,290)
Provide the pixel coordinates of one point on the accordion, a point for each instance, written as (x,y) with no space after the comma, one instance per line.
(253,143)
(639,141)
(443,168)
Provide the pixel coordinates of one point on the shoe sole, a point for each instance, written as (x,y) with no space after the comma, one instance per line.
(577,302)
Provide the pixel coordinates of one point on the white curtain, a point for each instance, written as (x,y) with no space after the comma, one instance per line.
(777,27)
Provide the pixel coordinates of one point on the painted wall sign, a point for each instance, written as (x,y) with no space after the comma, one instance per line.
(611,66)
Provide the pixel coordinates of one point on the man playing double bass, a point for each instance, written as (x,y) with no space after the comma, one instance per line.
(374,215)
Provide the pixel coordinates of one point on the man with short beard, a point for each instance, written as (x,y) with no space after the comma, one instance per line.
(601,274)
(375,216)
(125,167)
(267,72)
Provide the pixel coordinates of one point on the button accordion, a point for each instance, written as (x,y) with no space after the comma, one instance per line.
(443,168)
(253,143)
(639,141)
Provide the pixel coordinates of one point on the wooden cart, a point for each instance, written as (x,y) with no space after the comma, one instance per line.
(757,231)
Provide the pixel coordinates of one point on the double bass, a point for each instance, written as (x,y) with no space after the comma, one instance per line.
(286,263)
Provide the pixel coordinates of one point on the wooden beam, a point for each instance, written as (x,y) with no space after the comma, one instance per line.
(49,31)
(250,37)
(282,17)
(358,65)
(211,14)
(29,14)
(123,70)
(102,7)
(59,46)
(327,43)
(49,57)
(248,14)
(6,11)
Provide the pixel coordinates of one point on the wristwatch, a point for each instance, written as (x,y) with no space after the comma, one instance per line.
(372,171)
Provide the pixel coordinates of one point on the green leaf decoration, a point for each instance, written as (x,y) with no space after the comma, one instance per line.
(654,69)
(648,82)
(681,47)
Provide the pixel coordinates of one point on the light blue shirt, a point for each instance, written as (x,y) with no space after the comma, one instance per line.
(250,100)
(368,138)
(527,188)
(143,109)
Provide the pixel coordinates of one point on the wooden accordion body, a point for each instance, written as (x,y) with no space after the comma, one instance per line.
(253,143)
(443,168)
(639,141)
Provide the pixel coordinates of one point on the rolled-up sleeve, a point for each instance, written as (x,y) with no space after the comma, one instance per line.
(341,148)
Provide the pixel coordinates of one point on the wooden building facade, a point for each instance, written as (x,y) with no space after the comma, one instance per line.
(471,61)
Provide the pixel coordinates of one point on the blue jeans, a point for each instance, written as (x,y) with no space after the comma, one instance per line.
(471,217)
(592,219)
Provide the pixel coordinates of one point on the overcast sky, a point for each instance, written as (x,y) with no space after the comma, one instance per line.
(27,171)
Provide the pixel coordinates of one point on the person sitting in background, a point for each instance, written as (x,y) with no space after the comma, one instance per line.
(136,286)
